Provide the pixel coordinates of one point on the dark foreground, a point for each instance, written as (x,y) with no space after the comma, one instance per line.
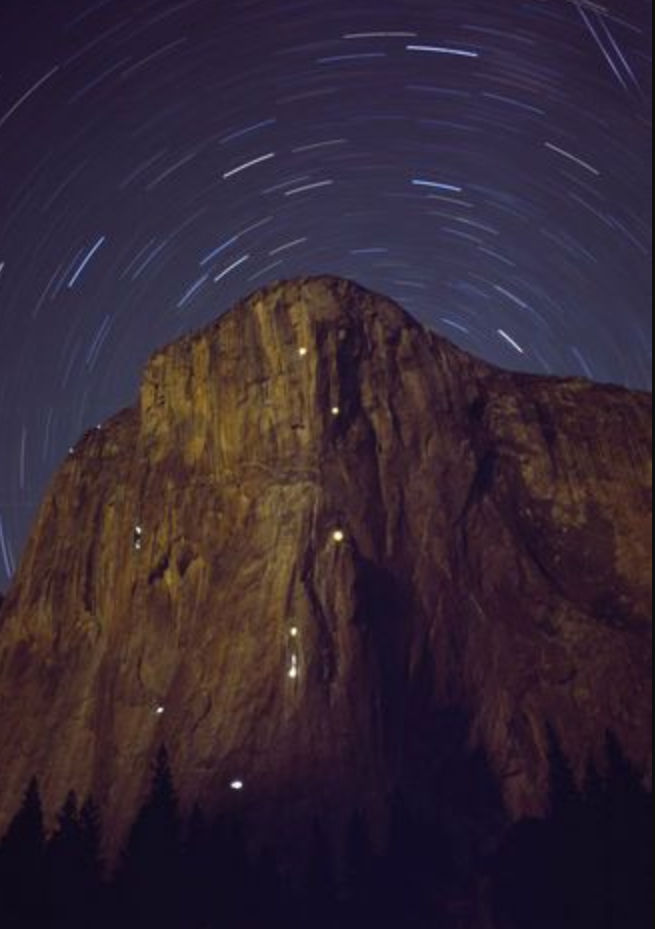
(587,865)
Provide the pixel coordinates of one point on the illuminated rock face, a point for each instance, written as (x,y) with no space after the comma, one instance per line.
(320,524)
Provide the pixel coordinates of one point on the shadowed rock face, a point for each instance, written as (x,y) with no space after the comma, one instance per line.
(321,524)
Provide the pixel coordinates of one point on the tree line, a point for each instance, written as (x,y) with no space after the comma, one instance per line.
(586,865)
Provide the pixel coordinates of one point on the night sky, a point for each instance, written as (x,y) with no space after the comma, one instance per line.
(484,162)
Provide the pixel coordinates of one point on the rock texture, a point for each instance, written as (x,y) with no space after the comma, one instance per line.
(320,524)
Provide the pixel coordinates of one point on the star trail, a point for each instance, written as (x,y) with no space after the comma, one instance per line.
(487,165)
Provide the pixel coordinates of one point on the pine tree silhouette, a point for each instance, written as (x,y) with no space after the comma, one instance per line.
(148,886)
(629,813)
(565,795)
(359,872)
(74,866)
(270,907)
(538,874)
(198,872)
(588,865)
(567,850)
(319,903)
(416,867)
(62,867)
(22,867)
(92,888)
(595,863)
(521,878)
(232,887)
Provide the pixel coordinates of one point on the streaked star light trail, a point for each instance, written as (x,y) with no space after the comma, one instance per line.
(485,163)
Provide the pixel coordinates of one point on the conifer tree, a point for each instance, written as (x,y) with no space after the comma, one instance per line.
(320,903)
(22,866)
(149,884)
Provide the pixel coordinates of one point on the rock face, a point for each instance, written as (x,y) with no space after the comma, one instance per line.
(320,524)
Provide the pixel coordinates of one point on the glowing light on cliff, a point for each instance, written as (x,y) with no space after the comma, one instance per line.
(336,411)
(294,632)
(339,536)
(160,710)
(237,786)
(303,352)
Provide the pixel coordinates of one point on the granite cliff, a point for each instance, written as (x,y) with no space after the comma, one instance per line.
(320,525)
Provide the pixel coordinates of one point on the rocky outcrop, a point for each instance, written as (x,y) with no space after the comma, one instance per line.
(321,524)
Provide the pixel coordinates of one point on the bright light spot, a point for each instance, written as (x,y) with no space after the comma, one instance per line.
(293,673)
(294,632)
(303,352)
(336,411)
(237,785)
(160,711)
(339,536)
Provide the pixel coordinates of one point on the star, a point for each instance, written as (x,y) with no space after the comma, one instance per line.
(484,164)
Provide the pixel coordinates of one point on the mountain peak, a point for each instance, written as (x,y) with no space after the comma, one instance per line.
(301,309)
(321,527)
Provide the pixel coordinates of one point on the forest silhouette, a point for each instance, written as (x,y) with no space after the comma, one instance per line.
(586,865)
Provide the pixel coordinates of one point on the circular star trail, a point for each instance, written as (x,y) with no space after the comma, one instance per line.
(486,164)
